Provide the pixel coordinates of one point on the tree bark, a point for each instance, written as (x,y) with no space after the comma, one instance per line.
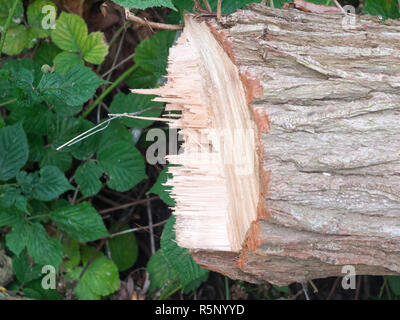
(324,98)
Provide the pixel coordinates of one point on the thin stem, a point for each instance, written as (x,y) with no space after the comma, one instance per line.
(127,205)
(150,217)
(173,291)
(227,294)
(118,65)
(8,102)
(113,39)
(207,5)
(339,6)
(109,89)
(39,216)
(7,25)
(156,25)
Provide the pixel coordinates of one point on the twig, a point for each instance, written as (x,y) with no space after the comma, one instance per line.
(333,288)
(356,296)
(219,9)
(207,5)
(150,217)
(313,286)
(156,25)
(7,25)
(304,286)
(339,6)
(158,224)
(102,243)
(271,3)
(118,65)
(121,41)
(127,205)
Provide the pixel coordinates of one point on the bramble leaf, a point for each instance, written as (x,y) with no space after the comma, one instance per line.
(70,33)
(160,189)
(14,150)
(124,249)
(87,177)
(35,17)
(81,222)
(143,4)
(52,183)
(190,274)
(123,164)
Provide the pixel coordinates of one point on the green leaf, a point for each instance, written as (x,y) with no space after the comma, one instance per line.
(394,283)
(17,38)
(14,150)
(36,146)
(143,4)
(134,103)
(73,88)
(123,164)
(17,239)
(87,252)
(142,79)
(151,56)
(124,249)
(114,133)
(87,147)
(35,290)
(70,33)
(162,274)
(35,17)
(81,222)
(35,118)
(95,49)
(52,157)
(283,289)
(46,53)
(27,181)
(52,183)
(87,177)
(190,274)
(65,60)
(8,195)
(10,217)
(21,203)
(100,279)
(160,189)
(385,8)
(24,270)
(41,248)
(5,8)
(72,255)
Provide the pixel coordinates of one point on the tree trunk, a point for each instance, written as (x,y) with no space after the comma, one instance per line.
(299,173)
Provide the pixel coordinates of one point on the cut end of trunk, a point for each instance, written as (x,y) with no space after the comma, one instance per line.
(216,185)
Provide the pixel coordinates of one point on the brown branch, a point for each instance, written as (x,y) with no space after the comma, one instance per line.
(207,5)
(156,25)
(127,205)
(219,9)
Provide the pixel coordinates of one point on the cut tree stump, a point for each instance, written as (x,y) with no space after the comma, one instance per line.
(291,127)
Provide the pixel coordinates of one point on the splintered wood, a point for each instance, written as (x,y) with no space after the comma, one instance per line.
(216,185)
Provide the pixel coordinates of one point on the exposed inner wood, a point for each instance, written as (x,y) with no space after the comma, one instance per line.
(216,188)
